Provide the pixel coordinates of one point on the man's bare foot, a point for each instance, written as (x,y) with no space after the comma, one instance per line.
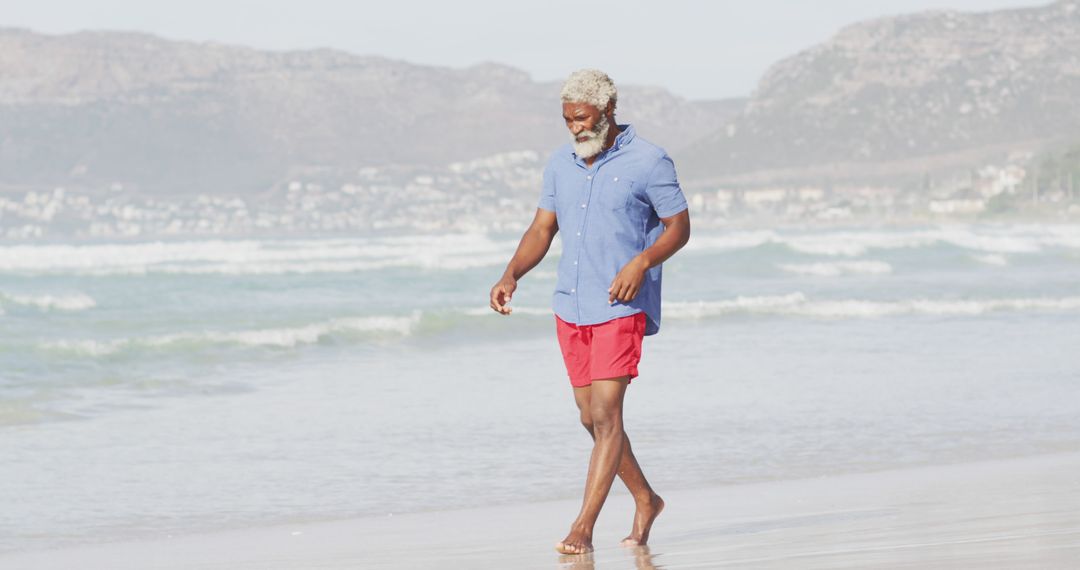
(643,520)
(577,542)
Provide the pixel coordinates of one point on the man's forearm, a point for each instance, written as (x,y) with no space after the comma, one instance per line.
(531,250)
(675,236)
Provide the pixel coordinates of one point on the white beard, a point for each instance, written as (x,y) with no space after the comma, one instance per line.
(595,143)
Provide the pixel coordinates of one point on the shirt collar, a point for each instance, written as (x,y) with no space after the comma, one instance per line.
(624,137)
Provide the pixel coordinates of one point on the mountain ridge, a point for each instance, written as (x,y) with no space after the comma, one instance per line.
(885,101)
(893,89)
(97,108)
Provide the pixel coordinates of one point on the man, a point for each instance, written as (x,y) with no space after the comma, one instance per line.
(622,213)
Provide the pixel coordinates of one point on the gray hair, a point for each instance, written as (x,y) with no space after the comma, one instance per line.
(590,86)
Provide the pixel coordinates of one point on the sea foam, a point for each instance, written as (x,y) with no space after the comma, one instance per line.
(470,251)
(833,269)
(277,337)
(69,302)
(799,305)
(258,257)
(532,311)
(854,243)
(992,259)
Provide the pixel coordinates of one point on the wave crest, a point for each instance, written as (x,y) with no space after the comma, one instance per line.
(836,268)
(258,257)
(1015,239)
(798,305)
(281,337)
(70,302)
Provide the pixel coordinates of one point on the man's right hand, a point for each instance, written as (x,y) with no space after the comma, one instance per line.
(501,293)
(532,248)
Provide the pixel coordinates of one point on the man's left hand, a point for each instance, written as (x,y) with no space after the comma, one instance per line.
(628,282)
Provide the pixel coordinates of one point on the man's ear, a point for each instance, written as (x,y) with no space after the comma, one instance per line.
(610,110)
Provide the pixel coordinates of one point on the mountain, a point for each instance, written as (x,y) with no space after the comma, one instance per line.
(157,116)
(889,101)
(903,96)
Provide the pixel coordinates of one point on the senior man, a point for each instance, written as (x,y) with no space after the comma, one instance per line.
(616,199)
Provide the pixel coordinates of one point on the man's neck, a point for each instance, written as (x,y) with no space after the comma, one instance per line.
(612,133)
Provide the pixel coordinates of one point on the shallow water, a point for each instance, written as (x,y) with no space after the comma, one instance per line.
(161,387)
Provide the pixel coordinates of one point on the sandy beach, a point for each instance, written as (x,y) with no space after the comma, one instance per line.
(1015,513)
(249,261)
(233,418)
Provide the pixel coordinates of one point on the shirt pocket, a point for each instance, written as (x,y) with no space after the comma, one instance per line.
(616,193)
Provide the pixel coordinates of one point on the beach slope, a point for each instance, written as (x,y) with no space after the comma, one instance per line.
(1013,513)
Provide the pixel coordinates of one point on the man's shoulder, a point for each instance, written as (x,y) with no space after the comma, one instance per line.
(647,149)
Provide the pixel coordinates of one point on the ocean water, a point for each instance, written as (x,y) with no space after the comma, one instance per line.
(152,389)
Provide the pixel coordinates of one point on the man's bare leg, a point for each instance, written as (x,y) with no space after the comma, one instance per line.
(605,407)
(648,503)
(601,407)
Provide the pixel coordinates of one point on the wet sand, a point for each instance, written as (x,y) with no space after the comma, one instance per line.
(1015,513)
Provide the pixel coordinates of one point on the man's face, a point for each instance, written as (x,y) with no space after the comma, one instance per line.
(588,128)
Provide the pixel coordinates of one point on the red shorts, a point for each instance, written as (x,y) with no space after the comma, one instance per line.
(601,351)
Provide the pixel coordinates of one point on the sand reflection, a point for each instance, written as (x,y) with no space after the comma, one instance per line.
(642,556)
(576,562)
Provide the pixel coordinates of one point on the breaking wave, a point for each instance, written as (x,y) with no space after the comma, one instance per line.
(478,319)
(992,259)
(258,257)
(466,251)
(282,337)
(835,268)
(799,305)
(1016,239)
(70,302)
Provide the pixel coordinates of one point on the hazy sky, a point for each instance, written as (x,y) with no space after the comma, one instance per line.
(697,49)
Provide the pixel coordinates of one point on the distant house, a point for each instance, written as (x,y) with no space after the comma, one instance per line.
(957,206)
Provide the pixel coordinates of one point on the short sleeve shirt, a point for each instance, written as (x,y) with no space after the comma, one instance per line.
(607,215)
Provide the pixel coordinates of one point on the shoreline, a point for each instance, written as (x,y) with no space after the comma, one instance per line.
(1003,513)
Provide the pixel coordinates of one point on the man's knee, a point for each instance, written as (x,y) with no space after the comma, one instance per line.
(586,420)
(605,420)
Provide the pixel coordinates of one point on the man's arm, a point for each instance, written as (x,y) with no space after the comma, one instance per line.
(628,282)
(531,250)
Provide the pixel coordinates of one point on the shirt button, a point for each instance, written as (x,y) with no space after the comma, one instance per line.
(575,263)
(589,177)
(616,179)
(583,205)
(579,233)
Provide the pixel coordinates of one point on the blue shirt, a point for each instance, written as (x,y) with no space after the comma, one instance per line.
(607,215)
